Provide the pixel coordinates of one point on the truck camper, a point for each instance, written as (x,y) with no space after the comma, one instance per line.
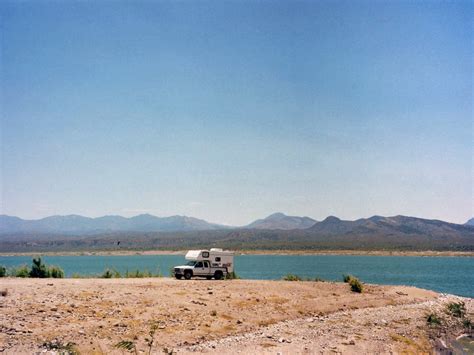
(214,263)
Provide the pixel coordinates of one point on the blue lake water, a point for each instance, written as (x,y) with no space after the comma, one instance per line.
(443,274)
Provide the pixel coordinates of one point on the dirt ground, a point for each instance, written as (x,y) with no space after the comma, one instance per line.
(103,316)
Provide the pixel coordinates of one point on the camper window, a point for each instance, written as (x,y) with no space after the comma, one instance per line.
(205,254)
(218,258)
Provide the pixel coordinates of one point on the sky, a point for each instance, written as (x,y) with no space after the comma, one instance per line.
(232,110)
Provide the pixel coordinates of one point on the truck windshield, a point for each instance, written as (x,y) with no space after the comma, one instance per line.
(191,263)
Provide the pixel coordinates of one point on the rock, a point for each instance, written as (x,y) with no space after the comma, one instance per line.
(239,321)
(281,340)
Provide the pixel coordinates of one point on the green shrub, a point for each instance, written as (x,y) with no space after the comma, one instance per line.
(20,271)
(76,275)
(3,271)
(291,277)
(127,345)
(56,272)
(356,285)
(433,320)
(38,269)
(457,309)
(232,276)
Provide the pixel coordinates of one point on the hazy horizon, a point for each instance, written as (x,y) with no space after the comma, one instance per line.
(231,111)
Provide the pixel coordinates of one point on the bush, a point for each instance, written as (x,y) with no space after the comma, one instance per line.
(56,272)
(38,269)
(356,285)
(468,325)
(291,277)
(21,271)
(232,276)
(457,309)
(3,271)
(433,320)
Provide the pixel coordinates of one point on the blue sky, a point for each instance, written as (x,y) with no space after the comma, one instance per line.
(232,110)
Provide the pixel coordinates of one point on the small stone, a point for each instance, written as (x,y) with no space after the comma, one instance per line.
(239,321)
(281,340)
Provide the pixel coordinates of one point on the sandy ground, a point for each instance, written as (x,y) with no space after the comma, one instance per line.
(93,315)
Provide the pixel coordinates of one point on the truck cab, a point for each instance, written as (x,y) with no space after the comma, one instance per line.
(214,263)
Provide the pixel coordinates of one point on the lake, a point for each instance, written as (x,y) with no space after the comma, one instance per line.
(453,275)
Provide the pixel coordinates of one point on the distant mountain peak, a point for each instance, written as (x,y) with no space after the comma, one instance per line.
(282,221)
(331,219)
(470,222)
(276,215)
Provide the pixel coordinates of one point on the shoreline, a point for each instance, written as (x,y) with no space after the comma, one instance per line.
(425,253)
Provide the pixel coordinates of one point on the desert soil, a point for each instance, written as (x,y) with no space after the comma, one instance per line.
(92,316)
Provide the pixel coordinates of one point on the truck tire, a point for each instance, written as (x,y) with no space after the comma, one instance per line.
(218,275)
(179,277)
(188,275)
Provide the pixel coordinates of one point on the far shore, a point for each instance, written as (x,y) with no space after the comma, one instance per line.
(250,252)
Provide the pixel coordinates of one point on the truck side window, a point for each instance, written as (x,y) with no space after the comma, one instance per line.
(199,264)
(218,258)
(206,264)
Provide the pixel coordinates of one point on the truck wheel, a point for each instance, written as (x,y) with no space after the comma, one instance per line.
(188,275)
(218,275)
(178,277)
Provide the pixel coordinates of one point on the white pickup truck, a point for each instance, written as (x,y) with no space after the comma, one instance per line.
(214,263)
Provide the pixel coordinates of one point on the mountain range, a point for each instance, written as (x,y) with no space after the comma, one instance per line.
(79,225)
(74,224)
(275,232)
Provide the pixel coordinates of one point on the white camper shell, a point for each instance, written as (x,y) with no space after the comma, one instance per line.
(214,263)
